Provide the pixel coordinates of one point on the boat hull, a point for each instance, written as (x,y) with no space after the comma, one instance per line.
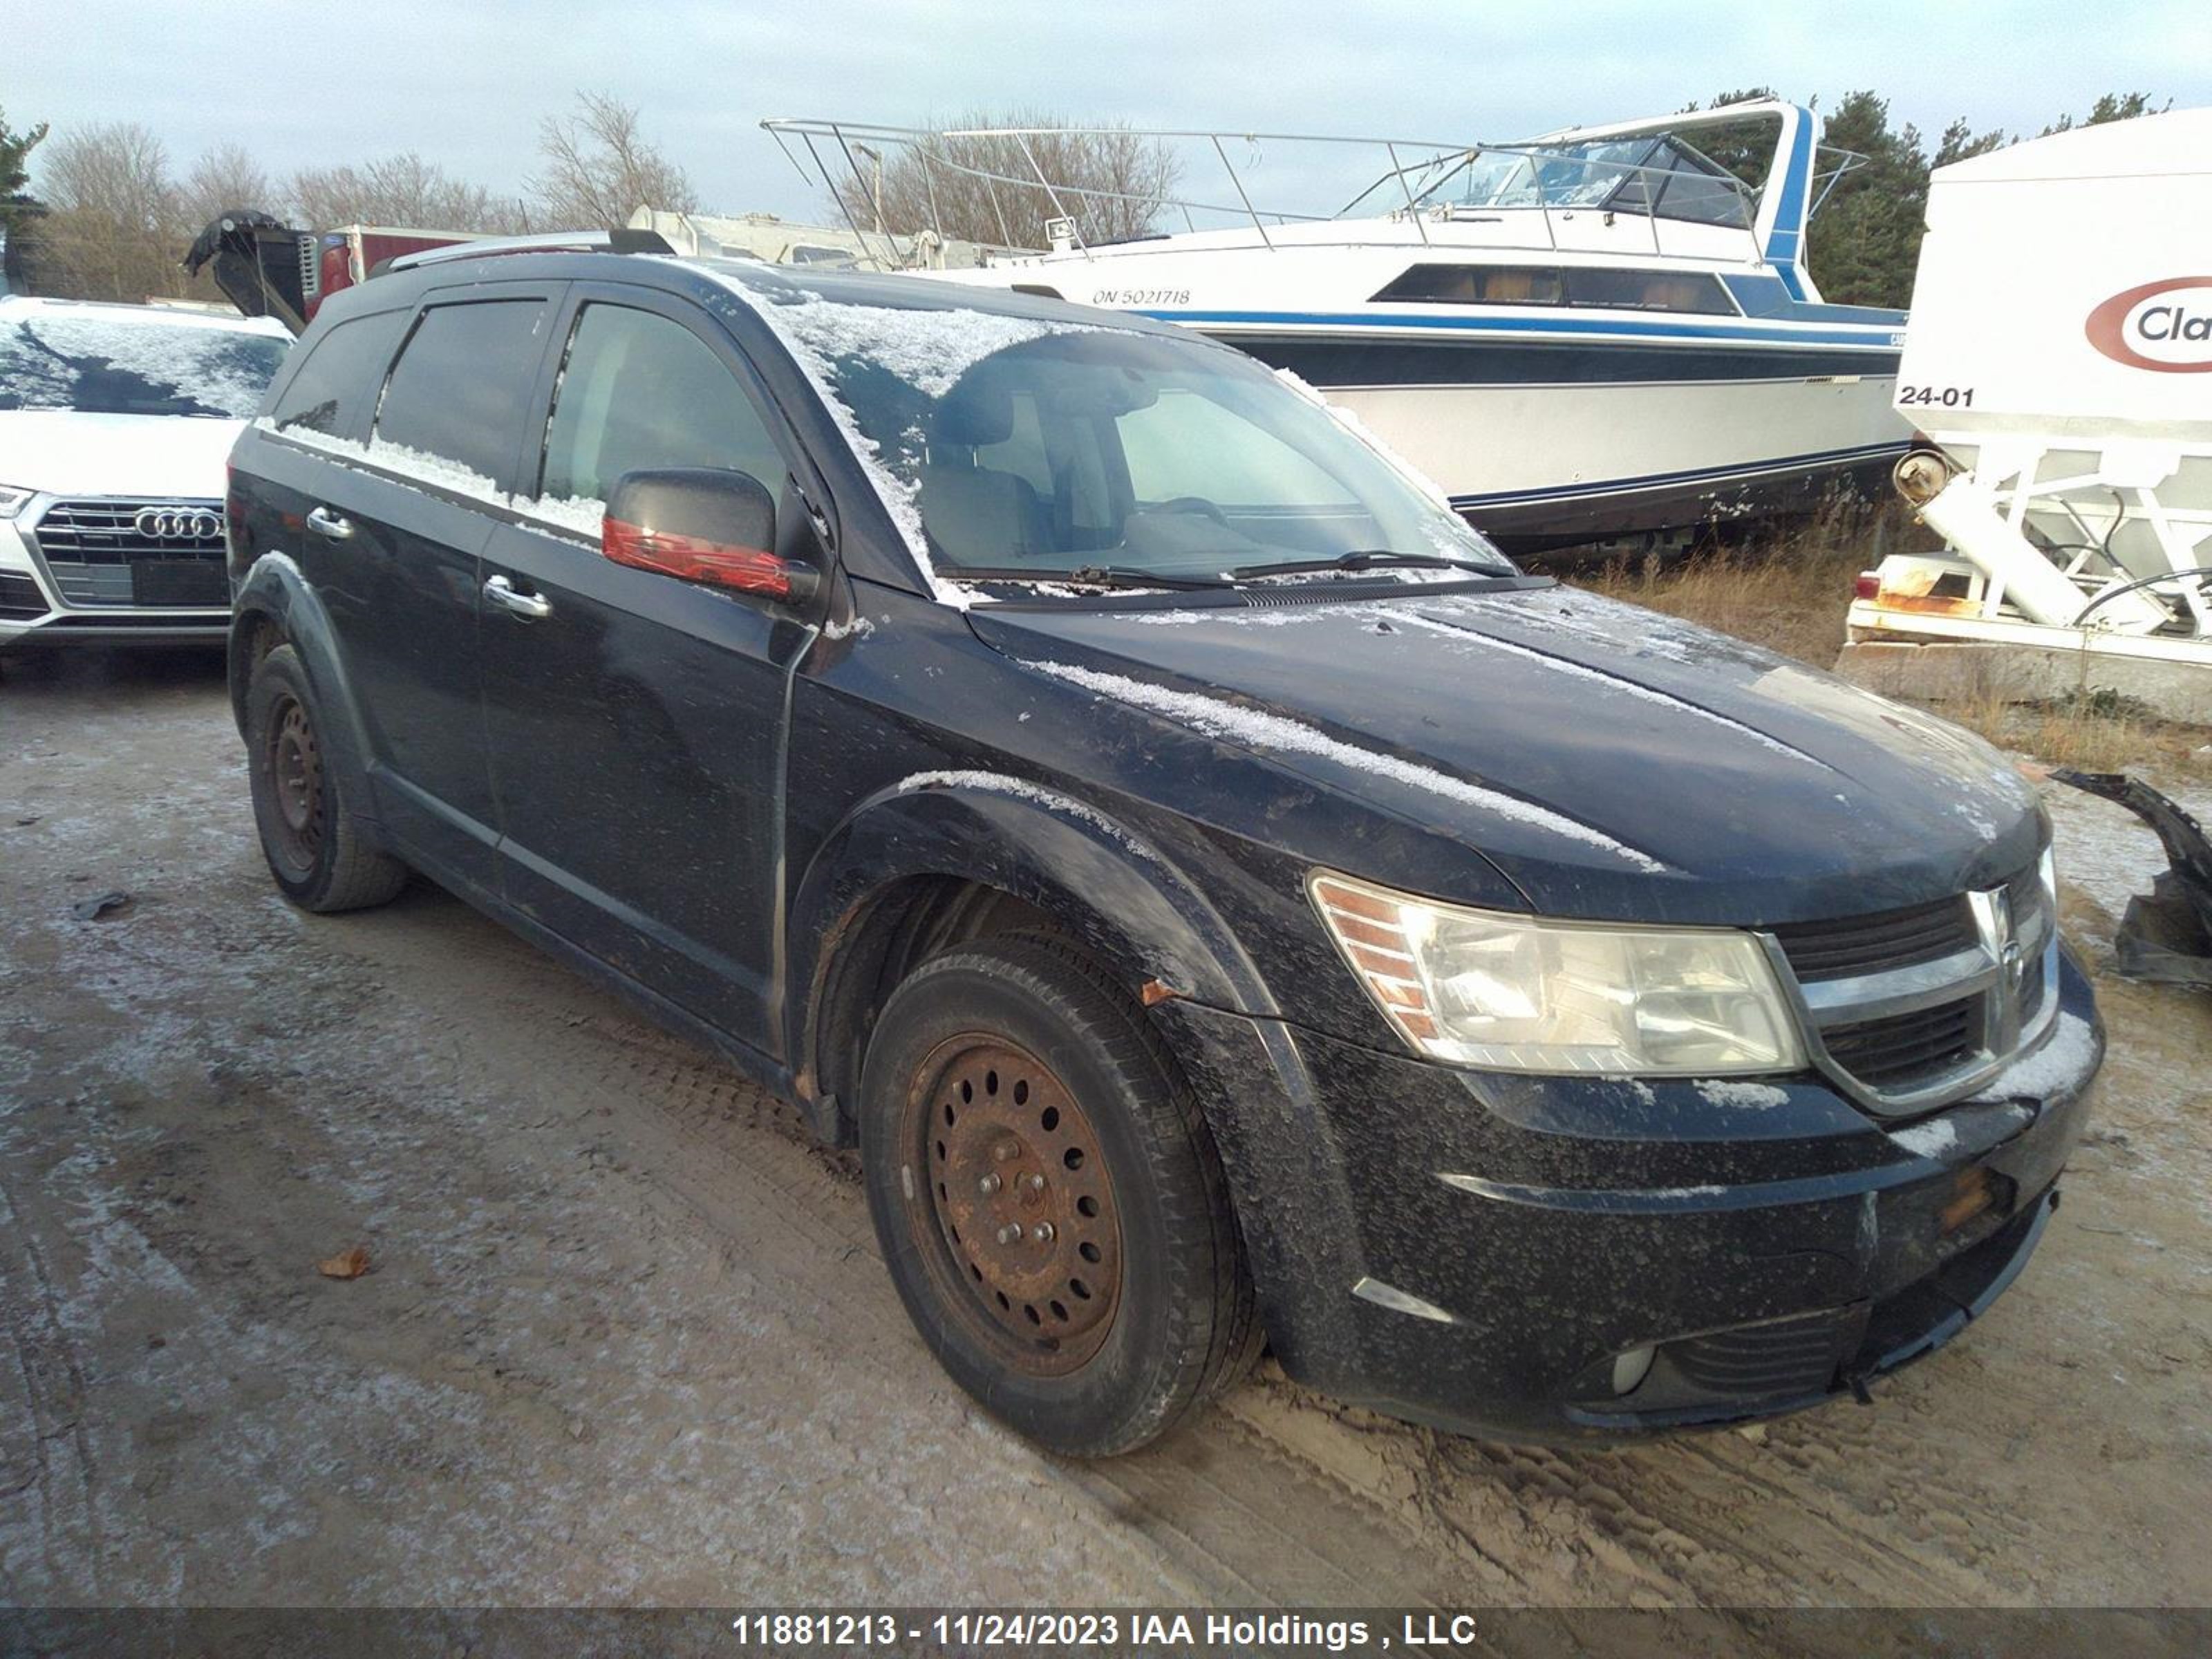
(1545,449)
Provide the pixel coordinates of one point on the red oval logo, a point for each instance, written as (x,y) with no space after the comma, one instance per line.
(2157,326)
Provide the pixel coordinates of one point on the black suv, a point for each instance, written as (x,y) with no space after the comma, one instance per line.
(1223,899)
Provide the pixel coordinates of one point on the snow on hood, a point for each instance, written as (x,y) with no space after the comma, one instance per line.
(152,456)
(1573,740)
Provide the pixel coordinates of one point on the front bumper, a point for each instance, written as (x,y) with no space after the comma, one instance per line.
(1495,1255)
(34,614)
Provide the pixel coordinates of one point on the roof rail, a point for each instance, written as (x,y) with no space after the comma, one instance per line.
(624,240)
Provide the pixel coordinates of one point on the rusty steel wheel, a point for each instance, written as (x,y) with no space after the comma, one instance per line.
(1018,1203)
(1048,1200)
(296,776)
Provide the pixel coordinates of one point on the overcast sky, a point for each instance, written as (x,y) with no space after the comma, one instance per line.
(465,82)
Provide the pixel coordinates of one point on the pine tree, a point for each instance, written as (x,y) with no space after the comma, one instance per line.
(15,149)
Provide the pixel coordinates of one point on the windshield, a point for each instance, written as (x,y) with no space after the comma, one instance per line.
(1048,449)
(1659,175)
(111,365)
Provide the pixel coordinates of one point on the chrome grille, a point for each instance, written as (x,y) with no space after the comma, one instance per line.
(1908,1009)
(1892,938)
(94,549)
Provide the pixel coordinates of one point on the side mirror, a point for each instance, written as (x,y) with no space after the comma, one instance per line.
(702,524)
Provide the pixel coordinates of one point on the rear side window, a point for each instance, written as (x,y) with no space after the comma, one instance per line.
(340,376)
(640,391)
(459,388)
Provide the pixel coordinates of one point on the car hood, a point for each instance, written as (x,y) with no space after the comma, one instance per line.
(155,457)
(1609,760)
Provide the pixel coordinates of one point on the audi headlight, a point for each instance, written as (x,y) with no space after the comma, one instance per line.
(14,499)
(1513,993)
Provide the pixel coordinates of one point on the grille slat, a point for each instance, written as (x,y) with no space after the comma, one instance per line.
(1902,1047)
(1793,1356)
(1874,943)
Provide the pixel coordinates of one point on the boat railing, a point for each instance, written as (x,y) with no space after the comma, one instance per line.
(1005,162)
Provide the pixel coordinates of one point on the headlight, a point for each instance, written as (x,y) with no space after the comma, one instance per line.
(14,499)
(1511,994)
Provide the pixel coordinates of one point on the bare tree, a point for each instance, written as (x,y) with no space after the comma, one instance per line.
(402,189)
(227,176)
(113,230)
(599,168)
(1110,180)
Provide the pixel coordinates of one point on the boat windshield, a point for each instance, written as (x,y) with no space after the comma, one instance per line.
(1656,175)
(1042,449)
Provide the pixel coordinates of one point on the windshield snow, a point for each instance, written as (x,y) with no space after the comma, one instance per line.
(1019,447)
(121,365)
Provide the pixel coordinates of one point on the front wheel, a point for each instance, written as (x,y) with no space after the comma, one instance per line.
(1048,1200)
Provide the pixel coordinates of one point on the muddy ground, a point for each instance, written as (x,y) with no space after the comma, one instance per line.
(626,1338)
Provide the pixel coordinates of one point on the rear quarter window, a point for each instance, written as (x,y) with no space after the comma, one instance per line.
(462,381)
(338,380)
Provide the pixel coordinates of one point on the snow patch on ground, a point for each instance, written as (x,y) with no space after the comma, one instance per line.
(1263,732)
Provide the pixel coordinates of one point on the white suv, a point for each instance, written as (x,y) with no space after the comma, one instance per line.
(115,424)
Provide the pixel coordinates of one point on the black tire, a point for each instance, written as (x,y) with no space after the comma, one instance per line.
(1073,1089)
(315,849)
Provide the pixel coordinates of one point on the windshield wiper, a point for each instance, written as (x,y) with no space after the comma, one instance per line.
(1088,575)
(1372,559)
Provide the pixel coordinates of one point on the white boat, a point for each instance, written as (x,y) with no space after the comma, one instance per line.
(1598,333)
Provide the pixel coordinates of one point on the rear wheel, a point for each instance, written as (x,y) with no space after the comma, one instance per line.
(1048,1200)
(314,847)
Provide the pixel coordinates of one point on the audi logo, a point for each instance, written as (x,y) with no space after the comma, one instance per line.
(179,524)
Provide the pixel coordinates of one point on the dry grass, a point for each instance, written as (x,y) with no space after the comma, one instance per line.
(1787,595)
(1790,595)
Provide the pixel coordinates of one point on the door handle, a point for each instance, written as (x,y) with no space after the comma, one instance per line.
(324,522)
(530,607)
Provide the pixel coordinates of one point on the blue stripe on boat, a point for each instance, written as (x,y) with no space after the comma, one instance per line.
(1874,337)
(1651,481)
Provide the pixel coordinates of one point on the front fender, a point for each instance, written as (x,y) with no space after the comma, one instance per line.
(276,593)
(1124,897)
(1137,910)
